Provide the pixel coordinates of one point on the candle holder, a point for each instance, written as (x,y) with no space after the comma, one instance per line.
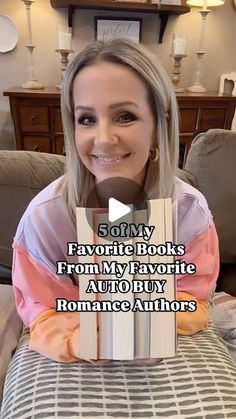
(64,62)
(177,72)
(197,84)
(204,12)
(32,83)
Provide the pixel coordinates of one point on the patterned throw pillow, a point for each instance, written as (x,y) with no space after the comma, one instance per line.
(10,330)
(199,383)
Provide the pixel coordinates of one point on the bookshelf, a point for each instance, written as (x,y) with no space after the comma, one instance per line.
(164,11)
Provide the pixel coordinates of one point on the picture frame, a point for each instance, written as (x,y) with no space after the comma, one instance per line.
(116,27)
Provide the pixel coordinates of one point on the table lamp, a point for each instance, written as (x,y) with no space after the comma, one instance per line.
(204,4)
(32,83)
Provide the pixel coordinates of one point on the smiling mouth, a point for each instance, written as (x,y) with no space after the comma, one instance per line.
(110,158)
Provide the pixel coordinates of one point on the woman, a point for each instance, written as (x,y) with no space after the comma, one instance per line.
(120,119)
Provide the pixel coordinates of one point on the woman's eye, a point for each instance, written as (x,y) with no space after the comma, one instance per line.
(126,117)
(86,120)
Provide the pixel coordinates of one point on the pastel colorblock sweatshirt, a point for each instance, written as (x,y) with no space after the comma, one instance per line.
(41,240)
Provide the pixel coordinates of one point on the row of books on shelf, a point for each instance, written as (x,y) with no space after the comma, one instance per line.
(126,335)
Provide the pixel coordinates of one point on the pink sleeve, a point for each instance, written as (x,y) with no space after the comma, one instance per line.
(52,334)
(35,287)
(203,251)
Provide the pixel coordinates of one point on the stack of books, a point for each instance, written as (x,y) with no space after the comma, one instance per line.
(139,331)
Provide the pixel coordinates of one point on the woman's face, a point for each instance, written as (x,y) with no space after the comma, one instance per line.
(114,124)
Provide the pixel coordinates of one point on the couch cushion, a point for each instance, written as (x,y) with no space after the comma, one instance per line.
(212,161)
(198,383)
(186,177)
(10,330)
(227,279)
(22,175)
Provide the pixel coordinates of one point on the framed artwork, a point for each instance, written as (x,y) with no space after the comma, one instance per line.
(112,27)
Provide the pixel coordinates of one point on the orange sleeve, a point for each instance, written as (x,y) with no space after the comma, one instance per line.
(56,335)
(188,322)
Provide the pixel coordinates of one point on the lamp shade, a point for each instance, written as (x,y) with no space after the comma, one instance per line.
(205,3)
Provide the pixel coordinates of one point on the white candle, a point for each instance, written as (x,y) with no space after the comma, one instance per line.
(64,40)
(179,44)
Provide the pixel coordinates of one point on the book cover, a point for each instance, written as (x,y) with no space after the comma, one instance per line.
(163,325)
(104,317)
(88,347)
(126,335)
(141,318)
(123,322)
(169,348)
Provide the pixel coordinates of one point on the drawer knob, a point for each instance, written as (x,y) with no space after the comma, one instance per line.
(37,148)
(34,118)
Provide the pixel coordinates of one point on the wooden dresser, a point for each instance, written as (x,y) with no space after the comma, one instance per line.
(38,127)
(37,119)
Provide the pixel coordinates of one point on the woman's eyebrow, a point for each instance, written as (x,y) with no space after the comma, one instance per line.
(113,106)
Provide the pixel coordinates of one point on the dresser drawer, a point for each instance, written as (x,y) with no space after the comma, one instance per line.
(37,143)
(188,120)
(59,145)
(34,118)
(57,120)
(212,118)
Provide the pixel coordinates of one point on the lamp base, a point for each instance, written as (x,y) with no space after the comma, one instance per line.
(179,89)
(32,84)
(197,88)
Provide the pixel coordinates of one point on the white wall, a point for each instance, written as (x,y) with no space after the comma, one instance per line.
(220,46)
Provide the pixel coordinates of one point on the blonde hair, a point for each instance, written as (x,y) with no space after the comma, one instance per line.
(160,176)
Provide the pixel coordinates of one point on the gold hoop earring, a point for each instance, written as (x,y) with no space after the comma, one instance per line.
(153,154)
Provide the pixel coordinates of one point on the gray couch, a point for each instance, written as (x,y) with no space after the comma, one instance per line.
(212,162)
(22,175)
